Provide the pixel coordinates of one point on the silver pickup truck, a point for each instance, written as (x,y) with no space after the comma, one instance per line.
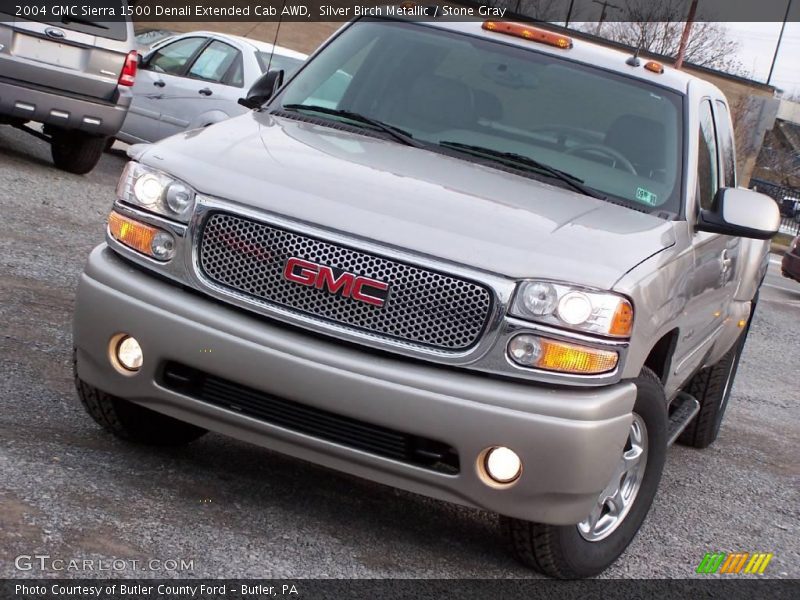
(502,268)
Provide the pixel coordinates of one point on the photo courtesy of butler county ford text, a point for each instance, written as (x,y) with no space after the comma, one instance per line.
(398,299)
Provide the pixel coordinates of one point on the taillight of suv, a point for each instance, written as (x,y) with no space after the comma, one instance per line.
(128,75)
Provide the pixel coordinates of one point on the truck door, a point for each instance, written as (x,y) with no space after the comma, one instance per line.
(716,256)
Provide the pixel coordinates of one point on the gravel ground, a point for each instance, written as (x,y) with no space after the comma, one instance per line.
(71,491)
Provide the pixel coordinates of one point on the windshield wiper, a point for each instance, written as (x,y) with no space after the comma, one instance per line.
(526,162)
(401,136)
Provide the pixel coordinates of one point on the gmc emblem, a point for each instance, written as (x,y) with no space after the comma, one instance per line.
(336,281)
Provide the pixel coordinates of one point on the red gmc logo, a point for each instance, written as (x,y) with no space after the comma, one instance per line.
(336,281)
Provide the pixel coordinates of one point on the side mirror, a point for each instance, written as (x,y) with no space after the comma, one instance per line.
(741,213)
(263,89)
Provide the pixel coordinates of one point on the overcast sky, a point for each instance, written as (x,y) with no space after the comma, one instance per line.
(758,41)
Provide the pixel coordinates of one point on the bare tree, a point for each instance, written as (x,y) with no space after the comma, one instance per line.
(657,27)
(745,115)
(781,161)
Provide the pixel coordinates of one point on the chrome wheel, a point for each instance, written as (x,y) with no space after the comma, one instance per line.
(616,501)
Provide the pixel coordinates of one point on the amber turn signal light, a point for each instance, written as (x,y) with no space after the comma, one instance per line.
(540,353)
(132,233)
(141,237)
(622,322)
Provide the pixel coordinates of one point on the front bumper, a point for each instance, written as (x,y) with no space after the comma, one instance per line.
(569,440)
(49,107)
(790,266)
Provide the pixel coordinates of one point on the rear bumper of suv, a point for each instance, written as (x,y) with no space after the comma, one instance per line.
(569,440)
(20,101)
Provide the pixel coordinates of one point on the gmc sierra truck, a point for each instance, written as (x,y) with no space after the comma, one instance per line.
(497,266)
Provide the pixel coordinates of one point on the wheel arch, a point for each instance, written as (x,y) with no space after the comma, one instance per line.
(659,359)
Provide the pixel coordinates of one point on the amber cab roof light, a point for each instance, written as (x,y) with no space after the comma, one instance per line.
(529,33)
(655,67)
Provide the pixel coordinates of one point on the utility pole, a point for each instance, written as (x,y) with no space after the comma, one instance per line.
(605,4)
(780,39)
(687,29)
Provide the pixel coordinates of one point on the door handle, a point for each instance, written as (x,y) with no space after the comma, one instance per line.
(159,83)
(726,261)
(205,92)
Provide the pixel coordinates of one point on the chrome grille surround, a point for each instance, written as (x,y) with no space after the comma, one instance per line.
(487,356)
(424,307)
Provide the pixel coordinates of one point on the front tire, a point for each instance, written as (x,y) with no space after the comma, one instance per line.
(586,549)
(75,151)
(131,422)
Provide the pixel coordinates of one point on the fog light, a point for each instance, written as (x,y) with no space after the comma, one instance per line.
(502,464)
(129,353)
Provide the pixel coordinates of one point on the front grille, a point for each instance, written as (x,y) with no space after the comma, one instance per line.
(423,307)
(300,418)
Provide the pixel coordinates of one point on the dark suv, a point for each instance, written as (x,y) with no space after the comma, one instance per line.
(71,74)
(790,265)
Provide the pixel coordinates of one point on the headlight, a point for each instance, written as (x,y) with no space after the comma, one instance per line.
(156,191)
(562,305)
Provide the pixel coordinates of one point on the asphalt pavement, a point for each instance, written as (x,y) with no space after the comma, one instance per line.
(226,509)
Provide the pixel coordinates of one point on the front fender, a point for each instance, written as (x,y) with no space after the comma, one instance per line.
(753,264)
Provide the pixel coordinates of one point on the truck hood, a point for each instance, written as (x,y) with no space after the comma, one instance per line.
(414,199)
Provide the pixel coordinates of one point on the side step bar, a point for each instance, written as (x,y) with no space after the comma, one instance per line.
(682,410)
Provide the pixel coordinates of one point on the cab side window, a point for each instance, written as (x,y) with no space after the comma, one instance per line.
(172,58)
(726,147)
(707,166)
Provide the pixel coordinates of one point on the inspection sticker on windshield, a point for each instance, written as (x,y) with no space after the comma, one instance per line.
(646,196)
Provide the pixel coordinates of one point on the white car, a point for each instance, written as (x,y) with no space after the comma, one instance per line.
(195,80)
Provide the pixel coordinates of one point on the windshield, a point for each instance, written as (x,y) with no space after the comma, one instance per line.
(279,62)
(621,136)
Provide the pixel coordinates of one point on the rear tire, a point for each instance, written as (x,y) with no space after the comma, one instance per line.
(75,151)
(131,422)
(564,551)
